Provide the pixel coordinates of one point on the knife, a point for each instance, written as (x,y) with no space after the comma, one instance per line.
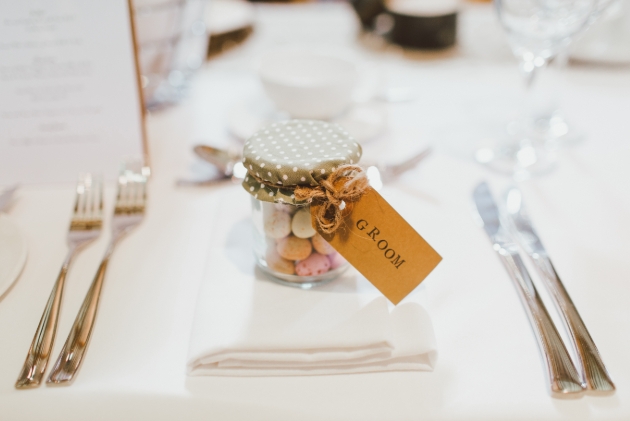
(6,196)
(563,376)
(595,374)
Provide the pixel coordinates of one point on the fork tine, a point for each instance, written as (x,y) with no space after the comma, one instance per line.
(93,197)
(122,181)
(99,198)
(143,193)
(129,195)
(90,199)
(83,191)
(87,201)
(133,195)
(92,193)
(78,196)
(139,195)
(122,201)
(77,200)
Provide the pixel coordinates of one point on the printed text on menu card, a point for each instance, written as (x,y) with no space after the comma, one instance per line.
(69,97)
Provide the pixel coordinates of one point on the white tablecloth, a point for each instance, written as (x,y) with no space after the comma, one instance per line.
(489,366)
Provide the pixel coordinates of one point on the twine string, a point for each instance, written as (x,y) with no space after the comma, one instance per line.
(344,185)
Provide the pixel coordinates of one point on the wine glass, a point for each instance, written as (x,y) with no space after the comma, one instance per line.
(549,121)
(172,45)
(537,31)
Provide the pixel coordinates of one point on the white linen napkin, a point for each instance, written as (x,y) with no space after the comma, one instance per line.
(246,325)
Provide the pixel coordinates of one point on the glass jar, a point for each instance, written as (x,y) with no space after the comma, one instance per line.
(280,159)
(289,250)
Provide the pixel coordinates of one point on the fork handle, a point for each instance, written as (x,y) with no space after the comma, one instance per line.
(595,373)
(563,376)
(74,349)
(44,339)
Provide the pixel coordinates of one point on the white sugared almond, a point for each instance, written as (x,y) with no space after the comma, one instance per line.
(301,224)
(278,225)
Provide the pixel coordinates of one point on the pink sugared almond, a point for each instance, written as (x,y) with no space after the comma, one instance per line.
(336,260)
(315,264)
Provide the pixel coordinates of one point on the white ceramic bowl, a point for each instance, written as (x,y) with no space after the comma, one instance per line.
(308,85)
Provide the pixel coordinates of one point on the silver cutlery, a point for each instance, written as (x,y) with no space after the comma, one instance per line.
(185,182)
(227,162)
(128,213)
(85,227)
(595,374)
(563,376)
(229,165)
(6,196)
(223,159)
(389,172)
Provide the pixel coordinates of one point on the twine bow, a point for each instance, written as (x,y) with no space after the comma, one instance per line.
(345,185)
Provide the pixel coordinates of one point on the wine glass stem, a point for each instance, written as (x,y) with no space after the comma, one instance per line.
(529,70)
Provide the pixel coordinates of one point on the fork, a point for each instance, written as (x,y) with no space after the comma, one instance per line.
(128,213)
(85,227)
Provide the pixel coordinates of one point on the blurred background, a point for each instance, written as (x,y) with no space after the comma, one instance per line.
(455,74)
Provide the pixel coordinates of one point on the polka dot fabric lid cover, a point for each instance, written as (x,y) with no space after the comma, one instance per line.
(292,153)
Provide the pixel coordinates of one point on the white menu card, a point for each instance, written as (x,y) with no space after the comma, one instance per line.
(69,90)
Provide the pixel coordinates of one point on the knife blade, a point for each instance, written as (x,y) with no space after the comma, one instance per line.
(562,375)
(6,196)
(594,371)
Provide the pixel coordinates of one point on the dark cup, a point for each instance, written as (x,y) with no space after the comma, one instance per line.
(423,32)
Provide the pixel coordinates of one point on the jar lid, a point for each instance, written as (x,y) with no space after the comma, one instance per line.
(295,153)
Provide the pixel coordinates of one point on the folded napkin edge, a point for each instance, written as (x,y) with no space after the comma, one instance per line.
(424,362)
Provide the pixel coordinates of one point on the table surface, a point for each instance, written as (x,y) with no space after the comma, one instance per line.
(489,367)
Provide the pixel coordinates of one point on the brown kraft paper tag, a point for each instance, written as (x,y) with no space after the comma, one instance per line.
(381,245)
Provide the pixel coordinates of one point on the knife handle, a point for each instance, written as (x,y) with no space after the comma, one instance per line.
(596,375)
(563,376)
